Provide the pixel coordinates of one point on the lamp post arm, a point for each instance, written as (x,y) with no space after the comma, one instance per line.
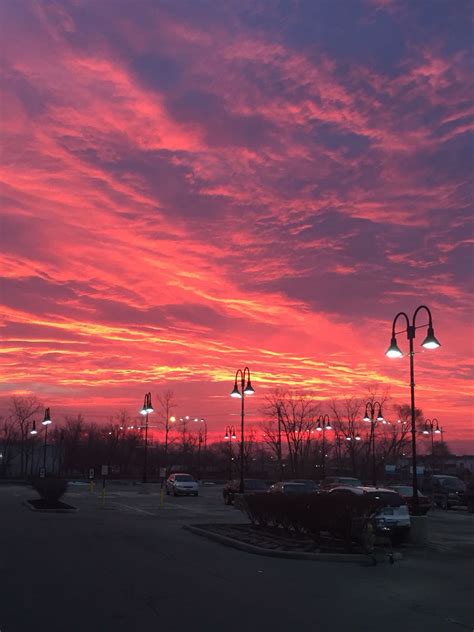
(405,316)
(430,320)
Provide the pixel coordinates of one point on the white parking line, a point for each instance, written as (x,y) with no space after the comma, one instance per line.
(135,509)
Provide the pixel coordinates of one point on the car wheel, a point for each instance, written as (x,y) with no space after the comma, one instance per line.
(444,504)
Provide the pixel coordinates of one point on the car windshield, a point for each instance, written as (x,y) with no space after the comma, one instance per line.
(184,478)
(255,484)
(294,488)
(452,483)
(406,490)
(390,499)
(354,482)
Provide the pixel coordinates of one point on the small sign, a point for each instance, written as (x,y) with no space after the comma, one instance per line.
(91,472)
(104,470)
(162,472)
(390,468)
(419,469)
(42,472)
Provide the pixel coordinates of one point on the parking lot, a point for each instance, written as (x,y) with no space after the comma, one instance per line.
(126,563)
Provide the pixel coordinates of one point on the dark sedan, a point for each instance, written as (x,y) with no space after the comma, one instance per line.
(251,485)
(406,492)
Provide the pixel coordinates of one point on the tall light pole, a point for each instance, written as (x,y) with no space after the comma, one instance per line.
(373,417)
(430,342)
(245,389)
(323,424)
(145,411)
(280,457)
(432,429)
(230,436)
(46,421)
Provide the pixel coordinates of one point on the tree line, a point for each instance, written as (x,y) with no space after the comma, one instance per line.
(290,442)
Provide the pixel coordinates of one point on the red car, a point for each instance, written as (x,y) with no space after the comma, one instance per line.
(406,492)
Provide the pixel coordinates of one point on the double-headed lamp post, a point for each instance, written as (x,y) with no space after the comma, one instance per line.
(230,436)
(46,422)
(242,376)
(323,424)
(430,342)
(373,414)
(145,411)
(432,429)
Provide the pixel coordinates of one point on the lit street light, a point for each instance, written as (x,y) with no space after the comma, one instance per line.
(145,411)
(46,421)
(245,389)
(230,436)
(323,424)
(430,342)
(431,429)
(373,418)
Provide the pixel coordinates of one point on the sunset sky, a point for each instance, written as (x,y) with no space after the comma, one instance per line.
(190,186)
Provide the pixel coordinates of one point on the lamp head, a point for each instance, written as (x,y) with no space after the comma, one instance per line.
(430,342)
(394,350)
(328,426)
(33,430)
(143,410)
(235,391)
(47,418)
(248,390)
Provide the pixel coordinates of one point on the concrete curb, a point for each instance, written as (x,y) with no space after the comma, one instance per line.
(64,510)
(357,558)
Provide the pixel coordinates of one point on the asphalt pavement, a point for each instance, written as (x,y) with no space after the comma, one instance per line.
(126,564)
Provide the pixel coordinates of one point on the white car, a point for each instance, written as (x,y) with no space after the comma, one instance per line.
(392,516)
(182,485)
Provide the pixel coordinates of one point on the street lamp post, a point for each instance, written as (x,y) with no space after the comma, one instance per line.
(245,389)
(230,436)
(145,411)
(373,418)
(46,422)
(432,429)
(430,342)
(323,424)
(280,456)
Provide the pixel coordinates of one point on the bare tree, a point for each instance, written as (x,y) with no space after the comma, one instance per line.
(291,416)
(23,410)
(167,404)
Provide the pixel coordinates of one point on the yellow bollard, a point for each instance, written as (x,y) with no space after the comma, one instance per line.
(91,487)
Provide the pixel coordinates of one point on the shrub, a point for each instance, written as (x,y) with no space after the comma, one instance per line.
(318,515)
(50,489)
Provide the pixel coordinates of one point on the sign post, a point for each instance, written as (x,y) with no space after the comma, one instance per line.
(104,471)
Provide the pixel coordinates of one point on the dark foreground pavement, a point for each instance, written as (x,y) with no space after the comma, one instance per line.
(130,566)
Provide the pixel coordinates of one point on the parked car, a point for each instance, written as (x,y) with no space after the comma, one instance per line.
(182,485)
(406,492)
(335,481)
(393,517)
(446,491)
(250,485)
(311,486)
(288,487)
